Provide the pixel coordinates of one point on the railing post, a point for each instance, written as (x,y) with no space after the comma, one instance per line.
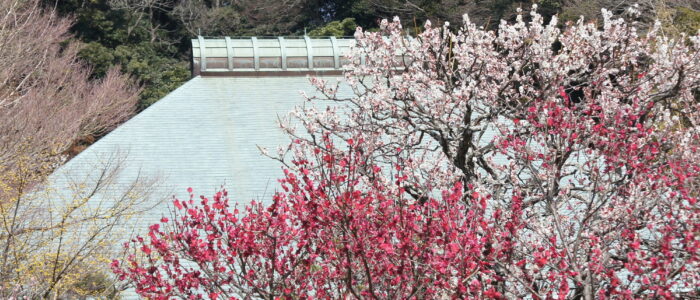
(256,54)
(283,52)
(229,53)
(309,53)
(202,54)
(336,53)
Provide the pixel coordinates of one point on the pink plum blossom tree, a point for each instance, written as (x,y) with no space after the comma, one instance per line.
(530,162)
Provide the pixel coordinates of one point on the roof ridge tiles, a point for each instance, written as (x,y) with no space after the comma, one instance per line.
(253,56)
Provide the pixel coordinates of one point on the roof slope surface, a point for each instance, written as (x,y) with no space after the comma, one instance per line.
(203,135)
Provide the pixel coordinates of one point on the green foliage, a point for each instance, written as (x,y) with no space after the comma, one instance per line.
(163,80)
(548,8)
(346,27)
(219,21)
(687,20)
(98,56)
(145,47)
(158,74)
(95,21)
(153,45)
(589,10)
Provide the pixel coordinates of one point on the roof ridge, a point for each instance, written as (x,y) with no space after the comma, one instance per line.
(245,56)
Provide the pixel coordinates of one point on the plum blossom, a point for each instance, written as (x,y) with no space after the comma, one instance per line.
(528,162)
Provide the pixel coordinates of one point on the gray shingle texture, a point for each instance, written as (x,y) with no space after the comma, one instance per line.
(203,135)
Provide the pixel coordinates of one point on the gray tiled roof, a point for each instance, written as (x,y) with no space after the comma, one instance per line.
(203,135)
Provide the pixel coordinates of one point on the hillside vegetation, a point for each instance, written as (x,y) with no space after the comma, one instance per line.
(149,39)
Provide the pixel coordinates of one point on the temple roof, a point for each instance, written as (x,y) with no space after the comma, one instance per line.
(203,135)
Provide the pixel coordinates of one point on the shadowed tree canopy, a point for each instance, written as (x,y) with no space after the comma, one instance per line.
(149,39)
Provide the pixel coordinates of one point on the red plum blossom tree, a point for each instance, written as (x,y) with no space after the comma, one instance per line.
(528,162)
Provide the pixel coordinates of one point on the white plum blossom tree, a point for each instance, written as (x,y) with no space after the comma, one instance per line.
(530,162)
(582,141)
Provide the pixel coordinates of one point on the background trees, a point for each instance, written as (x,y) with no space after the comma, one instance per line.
(51,107)
(51,241)
(142,41)
(47,100)
(533,162)
(149,39)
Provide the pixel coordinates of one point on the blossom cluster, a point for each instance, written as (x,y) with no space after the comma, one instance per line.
(326,235)
(530,162)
